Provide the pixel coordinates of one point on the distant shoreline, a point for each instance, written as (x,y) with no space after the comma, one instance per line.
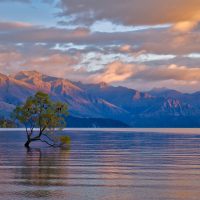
(144,130)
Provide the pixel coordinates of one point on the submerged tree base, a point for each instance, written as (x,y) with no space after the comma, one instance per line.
(63,141)
(27,144)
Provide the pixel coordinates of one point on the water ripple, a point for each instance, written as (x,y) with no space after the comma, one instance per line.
(103,166)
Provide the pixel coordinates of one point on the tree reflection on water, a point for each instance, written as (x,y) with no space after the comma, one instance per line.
(43,169)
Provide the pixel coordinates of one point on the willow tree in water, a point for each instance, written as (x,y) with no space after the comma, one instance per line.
(39,111)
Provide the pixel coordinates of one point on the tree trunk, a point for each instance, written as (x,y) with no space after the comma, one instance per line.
(27,143)
(29,140)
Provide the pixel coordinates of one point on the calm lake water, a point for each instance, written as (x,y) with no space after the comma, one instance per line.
(102,166)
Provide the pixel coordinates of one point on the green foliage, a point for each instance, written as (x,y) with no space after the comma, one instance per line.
(39,111)
(5,123)
(65,140)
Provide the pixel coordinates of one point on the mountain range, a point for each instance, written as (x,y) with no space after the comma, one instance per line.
(103,105)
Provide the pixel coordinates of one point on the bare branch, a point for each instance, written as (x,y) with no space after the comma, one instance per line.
(52,145)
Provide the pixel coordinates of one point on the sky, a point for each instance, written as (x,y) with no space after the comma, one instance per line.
(140,44)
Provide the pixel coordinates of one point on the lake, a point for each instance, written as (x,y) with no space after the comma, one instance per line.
(103,165)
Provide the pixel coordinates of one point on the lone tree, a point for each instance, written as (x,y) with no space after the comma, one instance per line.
(40,112)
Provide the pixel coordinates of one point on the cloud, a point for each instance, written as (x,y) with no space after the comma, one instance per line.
(42,34)
(115,72)
(185,26)
(131,12)
(138,59)
(55,64)
(183,78)
(52,61)
(135,75)
(159,41)
(171,72)
(119,71)
(145,77)
(21,1)
(26,1)
(9,61)
(14,26)
(185,60)
(125,48)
